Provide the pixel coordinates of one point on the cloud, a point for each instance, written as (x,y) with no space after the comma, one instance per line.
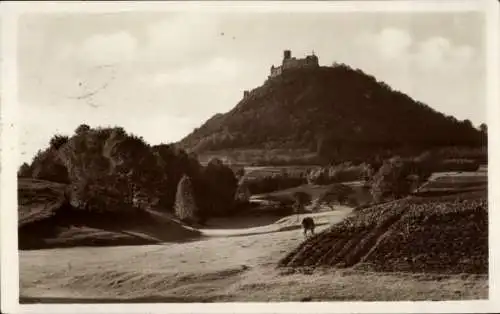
(436,70)
(217,70)
(396,49)
(182,37)
(397,45)
(393,42)
(101,49)
(110,48)
(171,42)
(434,52)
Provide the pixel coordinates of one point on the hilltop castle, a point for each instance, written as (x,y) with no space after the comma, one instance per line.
(289,62)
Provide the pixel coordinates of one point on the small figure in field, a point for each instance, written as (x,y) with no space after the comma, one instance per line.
(308,224)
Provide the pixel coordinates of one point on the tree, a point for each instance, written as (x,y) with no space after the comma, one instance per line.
(240,173)
(301,199)
(58,140)
(220,185)
(484,133)
(243,193)
(468,124)
(425,164)
(392,179)
(82,128)
(47,165)
(483,128)
(185,205)
(337,193)
(24,171)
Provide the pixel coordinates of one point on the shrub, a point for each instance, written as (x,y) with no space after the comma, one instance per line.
(104,194)
(352,201)
(336,194)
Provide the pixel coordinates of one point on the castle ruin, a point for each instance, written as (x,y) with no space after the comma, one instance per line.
(289,62)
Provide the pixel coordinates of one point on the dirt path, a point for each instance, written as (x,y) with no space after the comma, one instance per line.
(287,223)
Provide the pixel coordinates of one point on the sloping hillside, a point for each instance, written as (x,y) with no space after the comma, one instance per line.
(445,235)
(335,111)
(46,221)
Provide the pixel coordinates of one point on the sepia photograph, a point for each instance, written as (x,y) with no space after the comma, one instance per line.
(225,152)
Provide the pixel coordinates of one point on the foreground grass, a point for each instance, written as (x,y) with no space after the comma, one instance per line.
(219,269)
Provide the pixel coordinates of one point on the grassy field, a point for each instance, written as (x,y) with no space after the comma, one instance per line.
(219,269)
(232,260)
(456,181)
(264,171)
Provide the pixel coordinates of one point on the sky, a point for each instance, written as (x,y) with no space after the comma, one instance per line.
(160,75)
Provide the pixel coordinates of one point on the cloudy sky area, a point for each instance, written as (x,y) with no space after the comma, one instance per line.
(161,75)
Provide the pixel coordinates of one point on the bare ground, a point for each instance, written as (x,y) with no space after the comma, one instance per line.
(221,268)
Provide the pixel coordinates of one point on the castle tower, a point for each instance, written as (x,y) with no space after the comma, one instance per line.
(287,54)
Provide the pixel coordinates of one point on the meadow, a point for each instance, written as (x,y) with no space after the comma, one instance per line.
(236,260)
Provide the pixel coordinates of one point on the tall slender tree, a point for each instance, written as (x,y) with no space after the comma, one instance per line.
(301,200)
(185,204)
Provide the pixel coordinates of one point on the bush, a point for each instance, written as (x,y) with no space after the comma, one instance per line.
(337,194)
(104,194)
